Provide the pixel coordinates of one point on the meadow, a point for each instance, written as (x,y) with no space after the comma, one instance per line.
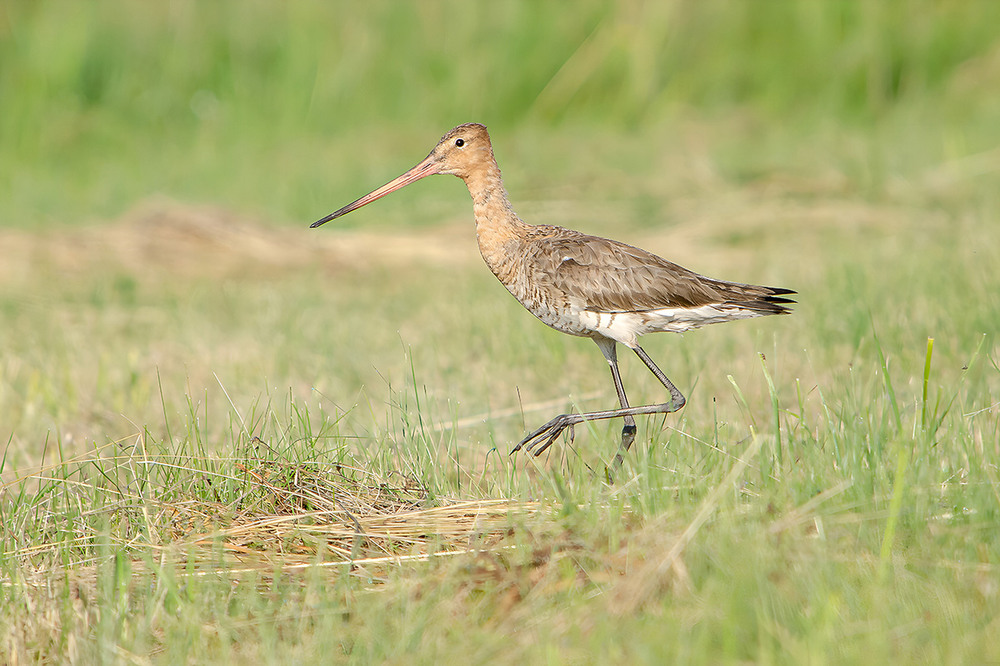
(229,438)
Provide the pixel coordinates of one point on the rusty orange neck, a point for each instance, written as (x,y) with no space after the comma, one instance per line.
(496,221)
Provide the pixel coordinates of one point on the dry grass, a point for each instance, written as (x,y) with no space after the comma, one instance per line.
(301,515)
(258,517)
(285,516)
(164,237)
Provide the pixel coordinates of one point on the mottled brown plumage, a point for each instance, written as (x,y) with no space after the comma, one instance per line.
(579,284)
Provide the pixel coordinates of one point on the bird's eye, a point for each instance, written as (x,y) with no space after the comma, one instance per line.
(459,142)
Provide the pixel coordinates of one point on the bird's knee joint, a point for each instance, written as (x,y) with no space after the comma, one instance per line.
(629,430)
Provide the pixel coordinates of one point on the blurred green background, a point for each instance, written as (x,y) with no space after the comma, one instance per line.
(286,110)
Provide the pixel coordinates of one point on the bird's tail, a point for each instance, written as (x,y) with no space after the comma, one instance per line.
(763,300)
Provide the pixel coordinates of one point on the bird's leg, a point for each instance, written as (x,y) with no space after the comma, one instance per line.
(676,397)
(548,433)
(629,429)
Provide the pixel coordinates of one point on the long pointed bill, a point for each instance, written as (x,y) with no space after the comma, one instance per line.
(428,167)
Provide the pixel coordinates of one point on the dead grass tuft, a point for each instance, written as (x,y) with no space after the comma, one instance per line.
(266,515)
(342,515)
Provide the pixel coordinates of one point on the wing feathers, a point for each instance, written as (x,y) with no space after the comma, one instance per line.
(607,276)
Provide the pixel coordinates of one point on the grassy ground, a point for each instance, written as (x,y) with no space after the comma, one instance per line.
(230,438)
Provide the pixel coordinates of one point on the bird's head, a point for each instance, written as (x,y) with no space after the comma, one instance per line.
(461,152)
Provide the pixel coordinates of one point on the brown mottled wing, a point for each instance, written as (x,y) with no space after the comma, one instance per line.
(607,276)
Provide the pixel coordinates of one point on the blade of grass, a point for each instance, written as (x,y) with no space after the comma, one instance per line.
(774,410)
(927,375)
(895,506)
(887,380)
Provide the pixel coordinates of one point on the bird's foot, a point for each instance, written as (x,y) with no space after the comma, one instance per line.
(538,441)
(628,436)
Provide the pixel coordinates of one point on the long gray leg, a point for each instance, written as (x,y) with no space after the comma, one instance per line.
(539,440)
(610,350)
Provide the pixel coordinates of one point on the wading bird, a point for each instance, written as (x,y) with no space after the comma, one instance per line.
(582,285)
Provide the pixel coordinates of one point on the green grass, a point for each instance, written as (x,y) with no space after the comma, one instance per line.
(174,382)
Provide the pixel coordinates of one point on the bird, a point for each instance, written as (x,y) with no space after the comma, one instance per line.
(582,285)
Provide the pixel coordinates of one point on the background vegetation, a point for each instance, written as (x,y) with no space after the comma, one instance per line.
(182,363)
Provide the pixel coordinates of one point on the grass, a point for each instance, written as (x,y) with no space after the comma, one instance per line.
(230,438)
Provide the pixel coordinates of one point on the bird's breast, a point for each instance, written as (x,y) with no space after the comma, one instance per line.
(550,305)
